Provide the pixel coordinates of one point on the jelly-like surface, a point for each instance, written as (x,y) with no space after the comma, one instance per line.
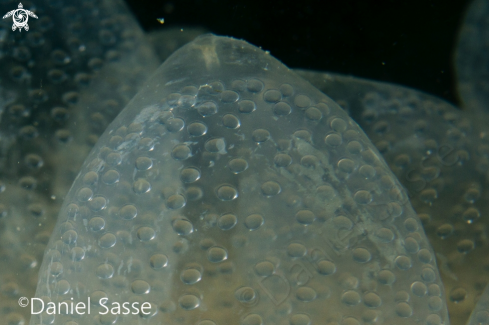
(480,315)
(230,190)
(439,155)
(471,59)
(61,83)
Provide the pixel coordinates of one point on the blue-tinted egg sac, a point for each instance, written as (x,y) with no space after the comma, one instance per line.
(61,84)
(230,190)
(439,154)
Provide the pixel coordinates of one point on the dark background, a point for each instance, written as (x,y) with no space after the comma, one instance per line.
(405,42)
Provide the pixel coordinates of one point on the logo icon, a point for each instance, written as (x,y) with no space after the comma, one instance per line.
(20,17)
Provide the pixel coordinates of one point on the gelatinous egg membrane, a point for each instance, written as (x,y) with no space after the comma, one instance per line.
(230,190)
(229,183)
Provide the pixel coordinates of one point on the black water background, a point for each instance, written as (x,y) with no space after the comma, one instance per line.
(405,42)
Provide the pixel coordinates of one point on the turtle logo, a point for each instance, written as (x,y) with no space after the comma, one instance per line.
(20,17)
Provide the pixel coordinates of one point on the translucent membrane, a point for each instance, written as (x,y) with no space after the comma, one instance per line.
(230,190)
(60,84)
(169,39)
(480,315)
(439,154)
(471,59)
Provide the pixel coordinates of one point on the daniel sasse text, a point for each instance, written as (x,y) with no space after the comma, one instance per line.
(82,308)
